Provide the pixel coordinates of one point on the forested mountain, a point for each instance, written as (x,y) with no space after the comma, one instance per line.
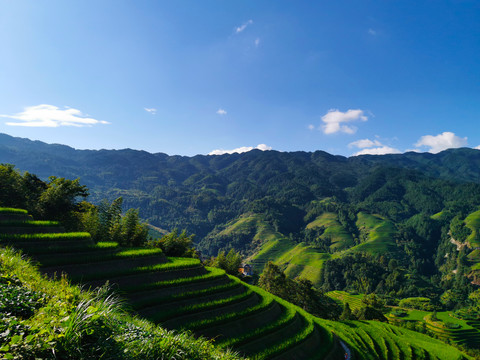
(301,210)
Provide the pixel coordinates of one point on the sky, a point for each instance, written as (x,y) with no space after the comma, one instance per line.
(194,77)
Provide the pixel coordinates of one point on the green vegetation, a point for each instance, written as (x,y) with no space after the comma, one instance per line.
(45,237)
(334,232)
(373,340)
(7,210)
(472,221)
(400,229)
(299,292)
(174,244)
(52,319)
(230,262)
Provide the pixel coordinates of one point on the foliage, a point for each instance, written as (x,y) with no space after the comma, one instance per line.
(299,292)
(419,303)
(230,262)
(347,313)
(106,223)
(174,244)
(70,324)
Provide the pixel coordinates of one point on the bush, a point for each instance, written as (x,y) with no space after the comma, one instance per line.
(451,325)
(176,245)
(399,313)
(418,303)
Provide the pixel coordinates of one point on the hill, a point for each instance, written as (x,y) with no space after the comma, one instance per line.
(300,210)
(178,292)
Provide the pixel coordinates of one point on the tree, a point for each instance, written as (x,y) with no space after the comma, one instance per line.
(133,232)
(230,263)
(347,313)
(174,244)
(300,292)
(59,200)
(369,313)
(274,281)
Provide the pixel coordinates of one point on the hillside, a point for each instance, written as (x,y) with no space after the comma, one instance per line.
(181,294)
(303,211)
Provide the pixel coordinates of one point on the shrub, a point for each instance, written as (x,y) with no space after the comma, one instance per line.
(176,245)
(418,303)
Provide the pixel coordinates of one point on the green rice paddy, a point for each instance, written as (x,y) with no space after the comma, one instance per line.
(210,302)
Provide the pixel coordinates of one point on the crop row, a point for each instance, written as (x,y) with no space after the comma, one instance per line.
(204,306)
(224,318)
(288,315)
(180,264)
(214,273)
(28,223)
(47,236)
(161,299)
(7,210)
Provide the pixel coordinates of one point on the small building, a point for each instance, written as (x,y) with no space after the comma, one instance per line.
(246,270)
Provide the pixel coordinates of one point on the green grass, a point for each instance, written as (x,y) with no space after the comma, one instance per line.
(369,340)
(288,316)
(8,210)
(45,237)
(212,274)
(28,223)
(285,344)
(203,306)
(304,262)
(271,244)
(70,323)
(380,234)
(161,299)
(224,318)
(340,237)
(127,253)
(472,221)
(355,301)
(173,264)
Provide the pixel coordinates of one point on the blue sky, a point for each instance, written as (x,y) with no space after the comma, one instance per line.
(196,77)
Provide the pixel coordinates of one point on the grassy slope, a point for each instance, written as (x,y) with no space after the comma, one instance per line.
(372,340)
(464,334)
(472,221)
(304,261)
(69,321)
(340,237)
(270,243)
(380,234)
(363,339)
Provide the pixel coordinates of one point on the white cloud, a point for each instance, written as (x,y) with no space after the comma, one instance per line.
(477,147)
(221,112)
(365,143)
(372,32)
(334,118)
(240,150)
(243,26)
(51,116)
(152,111)
(311,127)
(257,42)
(378,151)
(443,141)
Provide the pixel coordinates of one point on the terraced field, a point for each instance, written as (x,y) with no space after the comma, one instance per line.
(472,221)
(467,333)
(178,293)
(380,341)
(338,235)
(304,261)
(379,232)
(355,301)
